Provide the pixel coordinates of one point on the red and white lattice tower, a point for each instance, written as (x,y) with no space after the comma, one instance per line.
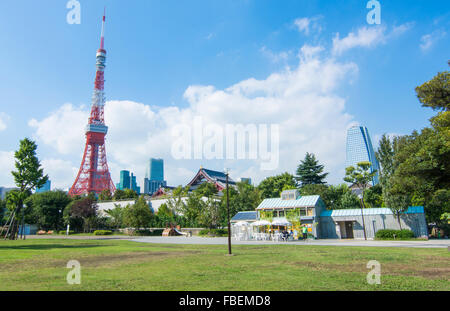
(94,175)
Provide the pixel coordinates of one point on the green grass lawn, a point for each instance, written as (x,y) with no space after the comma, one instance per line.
(124,265)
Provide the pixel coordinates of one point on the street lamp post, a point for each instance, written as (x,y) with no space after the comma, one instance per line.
(362,214)
(228,211)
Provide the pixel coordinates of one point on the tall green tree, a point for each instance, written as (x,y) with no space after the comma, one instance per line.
(423,158)
(28,176)
(271,187)
(310,172)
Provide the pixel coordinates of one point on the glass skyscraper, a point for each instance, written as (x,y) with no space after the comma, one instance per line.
(155,169)
(359,149)
(128,182)
(154,176)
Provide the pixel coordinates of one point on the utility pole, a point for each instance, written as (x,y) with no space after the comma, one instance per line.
(228,211)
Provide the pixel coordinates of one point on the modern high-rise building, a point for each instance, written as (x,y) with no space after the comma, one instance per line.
(155,169)
(46,187)
(154,176)
(128,181)
(360,149)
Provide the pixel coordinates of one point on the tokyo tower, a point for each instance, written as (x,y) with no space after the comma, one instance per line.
(94,175)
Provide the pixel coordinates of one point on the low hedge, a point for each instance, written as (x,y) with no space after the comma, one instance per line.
(388,234)
(102,232)
(147,232)
(64,232)
(213,232)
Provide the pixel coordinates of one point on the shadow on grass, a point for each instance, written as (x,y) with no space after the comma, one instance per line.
(48,246)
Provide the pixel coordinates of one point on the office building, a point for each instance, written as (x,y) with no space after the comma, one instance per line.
(128,181)
(154,176)
(360,149)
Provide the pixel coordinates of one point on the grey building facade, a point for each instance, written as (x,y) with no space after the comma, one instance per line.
(348,223)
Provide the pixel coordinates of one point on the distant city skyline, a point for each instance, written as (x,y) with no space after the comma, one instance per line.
(314,68)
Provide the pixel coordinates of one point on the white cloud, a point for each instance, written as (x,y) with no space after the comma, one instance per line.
(364,37)
(60,172)
(4,118)
(303,101)
(367,37)
(274,57)
(308,24)
(428,40)
(63,129)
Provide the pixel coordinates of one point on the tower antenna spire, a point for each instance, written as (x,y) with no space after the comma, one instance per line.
(102,37)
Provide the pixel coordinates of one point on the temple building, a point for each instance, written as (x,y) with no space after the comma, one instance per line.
(210,176)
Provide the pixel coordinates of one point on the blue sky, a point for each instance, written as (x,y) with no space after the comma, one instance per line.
(157,50)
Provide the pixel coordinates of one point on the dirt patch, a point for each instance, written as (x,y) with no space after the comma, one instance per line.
(94,260)
(391,269)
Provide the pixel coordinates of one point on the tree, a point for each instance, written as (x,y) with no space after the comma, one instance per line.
(436,92)
(119,195)
(116,215)
(176,202)
(48,208)
(310,172)
(192,209)
(210,214)
(373,196)
(349,201)
(130,194)
(28,176)
(165,211)
(398,204)
(244,197)
(85,210)
(423,158)
(361,176)
(2,211)
(138,215)
(271,187)
(105,195)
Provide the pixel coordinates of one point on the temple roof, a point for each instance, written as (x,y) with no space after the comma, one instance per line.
(216,177)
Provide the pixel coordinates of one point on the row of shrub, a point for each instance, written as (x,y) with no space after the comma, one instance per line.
(102,232)
(214,232)
(389,234)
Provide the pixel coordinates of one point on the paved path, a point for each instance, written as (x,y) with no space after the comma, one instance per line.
(223,241)
(81,237)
